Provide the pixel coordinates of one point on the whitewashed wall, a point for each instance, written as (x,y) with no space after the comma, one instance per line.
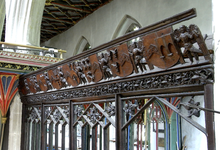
(195,139)
(216,32)
(99,27)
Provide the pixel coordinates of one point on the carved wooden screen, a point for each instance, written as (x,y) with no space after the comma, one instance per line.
(55,126)
(32,125)
(93,125)
(86,100)
(142,116)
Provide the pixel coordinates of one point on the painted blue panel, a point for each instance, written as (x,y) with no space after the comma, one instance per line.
(14,86)
(4,79)
(8,82)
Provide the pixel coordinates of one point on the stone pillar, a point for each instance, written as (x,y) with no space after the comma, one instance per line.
(2,16)
(14,138)
(23,21)
(216,33)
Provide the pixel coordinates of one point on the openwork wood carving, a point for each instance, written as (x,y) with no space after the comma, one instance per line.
(169,80)
(118,87)
(156,51)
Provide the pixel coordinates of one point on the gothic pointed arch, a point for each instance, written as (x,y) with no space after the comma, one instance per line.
(82,45)
(127,24)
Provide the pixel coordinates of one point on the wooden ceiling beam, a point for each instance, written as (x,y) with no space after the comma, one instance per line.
(68,17)
(58,27)
(54,27)
(48,12)
(70,7)
(73,17)
(79,4)
(57,19)
(86,4)
(51,31)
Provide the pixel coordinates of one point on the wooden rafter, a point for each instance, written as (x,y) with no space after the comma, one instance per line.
(70,7)
(62,14)
(86,4)
(59,20)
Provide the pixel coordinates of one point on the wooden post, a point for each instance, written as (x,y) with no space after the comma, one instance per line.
(209,116)
(120,134)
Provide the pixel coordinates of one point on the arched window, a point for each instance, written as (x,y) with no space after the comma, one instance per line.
(126,25)
(83,45)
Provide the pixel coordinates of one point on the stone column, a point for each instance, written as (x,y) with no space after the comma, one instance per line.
(216,33)
(2,16)
(14,138)
(23,21)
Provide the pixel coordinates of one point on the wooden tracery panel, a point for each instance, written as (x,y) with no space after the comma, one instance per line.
(32,124)
(84,92)
(93,125)
(55,127)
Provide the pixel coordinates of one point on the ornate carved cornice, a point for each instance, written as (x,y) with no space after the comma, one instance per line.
(197,76)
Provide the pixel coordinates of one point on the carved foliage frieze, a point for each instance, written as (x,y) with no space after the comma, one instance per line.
(193,77)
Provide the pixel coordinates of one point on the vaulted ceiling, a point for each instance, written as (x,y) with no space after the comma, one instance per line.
(60,15)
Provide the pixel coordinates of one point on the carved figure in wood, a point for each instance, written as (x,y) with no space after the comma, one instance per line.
(26,86)
(103,61)
(186,37)
(62,78)
(54,77)
(87,63)
(113,54)
(87,69)
(48,81)
(36,85)
(136,51)
(79,72)
(191,110)
(90,76)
